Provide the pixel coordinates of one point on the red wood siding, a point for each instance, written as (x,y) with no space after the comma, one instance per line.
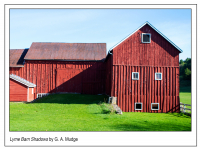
(146,58)
(108,75)
(48,77)
(146,90)
(157,53)
(18,91)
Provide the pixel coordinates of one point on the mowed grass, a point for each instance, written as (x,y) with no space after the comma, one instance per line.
(75,112)
(185,92)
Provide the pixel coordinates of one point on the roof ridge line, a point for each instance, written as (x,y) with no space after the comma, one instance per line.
(154,29)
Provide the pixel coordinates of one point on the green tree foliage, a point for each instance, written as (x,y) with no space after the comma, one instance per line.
(187,74)
(185,69)
(181,61)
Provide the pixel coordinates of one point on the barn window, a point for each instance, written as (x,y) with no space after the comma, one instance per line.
(158,76)
(146,38)
(138,106)
(154,106)
(135,75)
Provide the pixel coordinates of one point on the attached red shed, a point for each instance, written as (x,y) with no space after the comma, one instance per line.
(20,89)
(142,71)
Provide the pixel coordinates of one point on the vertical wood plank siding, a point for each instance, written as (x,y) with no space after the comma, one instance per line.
(158,56)
(146,90)
(88,76)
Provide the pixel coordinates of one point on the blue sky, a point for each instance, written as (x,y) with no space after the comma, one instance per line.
(96,25)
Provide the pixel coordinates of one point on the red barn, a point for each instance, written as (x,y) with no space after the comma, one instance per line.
(62,67)
(143,72)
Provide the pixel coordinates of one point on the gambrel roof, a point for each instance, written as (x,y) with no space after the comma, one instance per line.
(155,30)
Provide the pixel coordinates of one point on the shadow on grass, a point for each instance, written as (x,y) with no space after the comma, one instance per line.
(179,115)
(71,99)
(145,126)
(157,125)
(105,108)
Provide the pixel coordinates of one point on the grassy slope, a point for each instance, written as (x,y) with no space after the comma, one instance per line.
(74,112)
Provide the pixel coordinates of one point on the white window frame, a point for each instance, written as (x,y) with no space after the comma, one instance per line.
(138,103)
(133,75)
(158,73)
(155,103)
(149,37)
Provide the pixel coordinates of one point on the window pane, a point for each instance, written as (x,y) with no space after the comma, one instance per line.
(136,75)
(158,76)
(146,38)
(138,106)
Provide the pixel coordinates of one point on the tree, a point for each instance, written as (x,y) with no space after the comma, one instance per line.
(185,69)
(187,74)
(181,61)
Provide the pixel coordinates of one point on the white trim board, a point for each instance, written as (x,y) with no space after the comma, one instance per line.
(22,81)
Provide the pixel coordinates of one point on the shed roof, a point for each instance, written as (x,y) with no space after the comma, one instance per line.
(67,51)
(155,30)
(22,81)
(17,57)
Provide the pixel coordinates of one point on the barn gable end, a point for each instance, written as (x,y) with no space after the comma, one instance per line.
(159,52)
(159,57)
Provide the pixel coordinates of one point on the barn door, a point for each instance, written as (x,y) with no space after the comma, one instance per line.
(69,80)
(86,81)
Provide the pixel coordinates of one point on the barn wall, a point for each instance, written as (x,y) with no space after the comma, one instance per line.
(108,74)
(157,53)
(146,90)
(18,91)
(146,58)
(90,75)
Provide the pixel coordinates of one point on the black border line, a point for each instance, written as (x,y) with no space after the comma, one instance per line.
(103,131)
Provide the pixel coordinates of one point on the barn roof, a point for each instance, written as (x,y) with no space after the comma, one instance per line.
(67,51)
(22,81)
(17,57)
(155,30)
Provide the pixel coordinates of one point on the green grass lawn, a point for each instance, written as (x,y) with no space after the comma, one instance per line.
(185,92)
(75,112)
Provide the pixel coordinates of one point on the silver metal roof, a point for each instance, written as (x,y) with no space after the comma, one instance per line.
(21,80)
(155,30)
